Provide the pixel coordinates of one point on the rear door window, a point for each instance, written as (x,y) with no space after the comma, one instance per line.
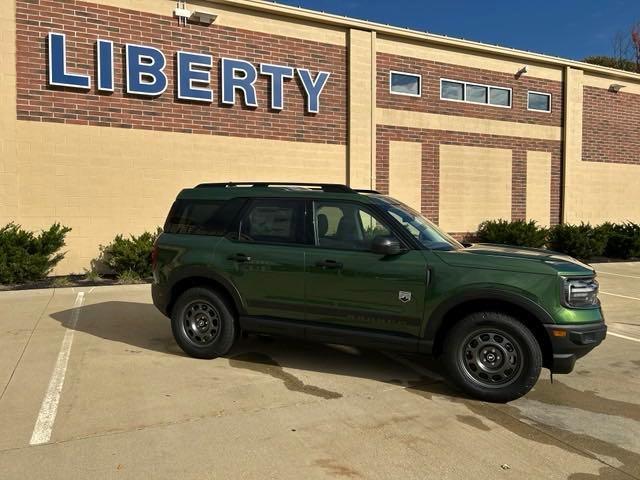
(274,221)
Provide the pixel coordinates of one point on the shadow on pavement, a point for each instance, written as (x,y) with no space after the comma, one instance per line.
(142,326)
(139,325)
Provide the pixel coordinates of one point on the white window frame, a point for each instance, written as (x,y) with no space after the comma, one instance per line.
(464,91)
(539,93)
(419,94)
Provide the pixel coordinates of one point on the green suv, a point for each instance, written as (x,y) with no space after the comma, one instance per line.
(327,263)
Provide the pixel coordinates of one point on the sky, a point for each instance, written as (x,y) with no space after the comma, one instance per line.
(566,28)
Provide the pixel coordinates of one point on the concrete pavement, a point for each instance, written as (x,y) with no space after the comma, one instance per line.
(133,406)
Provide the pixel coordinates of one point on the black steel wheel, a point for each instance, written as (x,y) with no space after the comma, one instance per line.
(492,356)
(203,323)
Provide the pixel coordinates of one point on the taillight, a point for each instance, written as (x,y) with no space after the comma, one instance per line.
(154,254)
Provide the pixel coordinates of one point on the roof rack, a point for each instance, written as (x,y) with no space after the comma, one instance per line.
(325,187)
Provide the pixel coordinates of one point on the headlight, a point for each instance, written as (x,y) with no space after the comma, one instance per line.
(580,292)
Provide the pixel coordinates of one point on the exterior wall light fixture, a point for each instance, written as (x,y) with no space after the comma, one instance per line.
(522,71)
(615,87)
(185,15)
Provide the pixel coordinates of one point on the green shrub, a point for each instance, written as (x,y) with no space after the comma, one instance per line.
(623,240)
(129,277)
(518,232)
(581,241)
(126,256)
(92,275)
(26,256)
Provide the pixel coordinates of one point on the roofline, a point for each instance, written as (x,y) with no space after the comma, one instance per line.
(407,33)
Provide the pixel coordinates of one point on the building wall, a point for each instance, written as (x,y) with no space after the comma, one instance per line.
(599,186)
(108,164)
(112,163)
(611,126)
(84,23)
(466,146)
(432,71)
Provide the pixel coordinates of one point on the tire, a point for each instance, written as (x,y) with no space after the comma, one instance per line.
(492,356)
(203,324)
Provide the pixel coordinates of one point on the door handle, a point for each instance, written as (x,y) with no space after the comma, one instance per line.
(330,264)
(240,258)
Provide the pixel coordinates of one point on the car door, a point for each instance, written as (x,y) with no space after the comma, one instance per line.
(349,285)
(265,257)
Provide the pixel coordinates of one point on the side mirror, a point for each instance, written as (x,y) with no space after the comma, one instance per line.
(386,245)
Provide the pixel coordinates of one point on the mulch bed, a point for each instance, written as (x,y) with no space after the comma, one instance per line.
(66,282)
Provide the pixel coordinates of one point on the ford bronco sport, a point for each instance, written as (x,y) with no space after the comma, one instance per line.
(331,264)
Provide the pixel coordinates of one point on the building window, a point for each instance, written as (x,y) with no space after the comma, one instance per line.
(539,101)
(452,90)
(475,93)
(500,97)
(401,83)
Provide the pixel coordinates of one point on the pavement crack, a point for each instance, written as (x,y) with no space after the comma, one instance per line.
(26,345)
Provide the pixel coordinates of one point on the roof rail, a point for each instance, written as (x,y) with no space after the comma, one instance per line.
(326,187)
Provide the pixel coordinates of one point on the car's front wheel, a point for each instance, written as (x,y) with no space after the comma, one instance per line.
(203,323)
(492,356)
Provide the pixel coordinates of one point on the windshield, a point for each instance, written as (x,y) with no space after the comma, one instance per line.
(422,229)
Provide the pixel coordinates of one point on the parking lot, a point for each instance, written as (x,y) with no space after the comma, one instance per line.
(93,386)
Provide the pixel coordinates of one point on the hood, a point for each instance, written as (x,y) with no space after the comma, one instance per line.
(502,257)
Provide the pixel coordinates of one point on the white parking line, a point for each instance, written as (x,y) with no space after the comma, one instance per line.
(624,336)
(47,416)
(617,274)
(621,296)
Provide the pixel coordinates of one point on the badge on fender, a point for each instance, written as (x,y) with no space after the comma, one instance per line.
(404,297)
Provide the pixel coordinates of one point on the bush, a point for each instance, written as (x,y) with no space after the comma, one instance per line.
(581,241)
(130,256)
(623,240)
(518,232)
(26,256)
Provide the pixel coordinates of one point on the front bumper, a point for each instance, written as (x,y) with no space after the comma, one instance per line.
(570,342)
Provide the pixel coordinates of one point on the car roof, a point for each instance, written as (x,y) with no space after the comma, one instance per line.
(225,191)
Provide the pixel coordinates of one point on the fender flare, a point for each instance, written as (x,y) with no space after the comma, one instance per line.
(201,271)
(519,300)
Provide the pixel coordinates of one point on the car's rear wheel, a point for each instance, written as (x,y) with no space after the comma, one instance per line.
(492,356)
(203,324)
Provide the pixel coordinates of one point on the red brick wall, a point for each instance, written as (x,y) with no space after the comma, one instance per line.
(431,141)
(611,126)
(85,22)
(430,100)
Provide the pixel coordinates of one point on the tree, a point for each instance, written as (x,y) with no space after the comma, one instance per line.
(635,43)
(625,51)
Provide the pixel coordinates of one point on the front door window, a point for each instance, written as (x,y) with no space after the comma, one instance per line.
(346,226)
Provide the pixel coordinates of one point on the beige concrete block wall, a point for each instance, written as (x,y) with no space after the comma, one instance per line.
(231,16)
(104,181)
(539,187)
(475,185)
(594,192)
(361,108)
(455,123)
(405,172)
(8,147)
